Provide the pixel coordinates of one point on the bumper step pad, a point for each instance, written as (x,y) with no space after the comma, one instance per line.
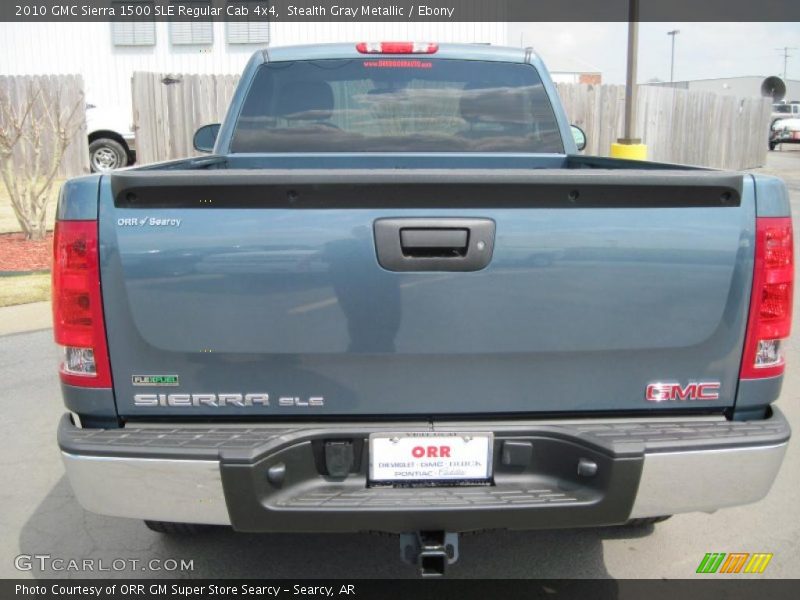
(420,498)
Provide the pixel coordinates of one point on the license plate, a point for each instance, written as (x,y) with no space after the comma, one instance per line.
(429,456)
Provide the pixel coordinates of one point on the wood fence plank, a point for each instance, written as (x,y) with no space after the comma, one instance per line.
(58,95)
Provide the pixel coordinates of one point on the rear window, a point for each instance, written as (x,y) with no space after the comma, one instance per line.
(396,105)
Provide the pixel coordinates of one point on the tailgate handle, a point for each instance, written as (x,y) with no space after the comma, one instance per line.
(443,244)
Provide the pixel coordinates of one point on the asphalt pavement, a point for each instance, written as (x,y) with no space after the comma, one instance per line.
(40,516)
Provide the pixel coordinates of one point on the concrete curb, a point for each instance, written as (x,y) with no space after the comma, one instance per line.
(25,317)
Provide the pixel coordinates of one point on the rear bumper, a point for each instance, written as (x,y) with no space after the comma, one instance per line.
(221,474)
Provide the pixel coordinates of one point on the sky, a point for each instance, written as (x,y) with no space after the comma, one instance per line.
(702,50)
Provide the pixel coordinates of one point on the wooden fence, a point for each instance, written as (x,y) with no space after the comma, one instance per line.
(680,126)
(167,109)
(53,100)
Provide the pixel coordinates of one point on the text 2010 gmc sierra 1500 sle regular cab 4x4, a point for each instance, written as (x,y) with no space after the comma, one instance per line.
(395,298)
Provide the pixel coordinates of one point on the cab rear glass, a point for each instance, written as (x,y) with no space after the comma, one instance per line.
(397,104)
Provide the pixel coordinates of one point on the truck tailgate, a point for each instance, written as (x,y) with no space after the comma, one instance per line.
(231,293)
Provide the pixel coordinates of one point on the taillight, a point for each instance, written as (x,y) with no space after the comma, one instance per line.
(397,48)
(770,319)
(77,309)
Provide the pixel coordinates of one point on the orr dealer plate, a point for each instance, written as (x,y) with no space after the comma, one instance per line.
(446,457)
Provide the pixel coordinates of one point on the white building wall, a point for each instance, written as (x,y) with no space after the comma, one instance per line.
(742,86)
(562,77)
(747,86)
(86,48)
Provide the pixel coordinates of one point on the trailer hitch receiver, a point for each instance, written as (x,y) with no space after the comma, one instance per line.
(430,551)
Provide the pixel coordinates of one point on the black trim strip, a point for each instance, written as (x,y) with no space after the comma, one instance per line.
(407,188)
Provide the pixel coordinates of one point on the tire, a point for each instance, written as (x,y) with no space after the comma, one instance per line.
(169,528)
(106,155)
(645,521)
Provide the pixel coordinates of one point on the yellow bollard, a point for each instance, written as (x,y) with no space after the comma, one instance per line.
(629,151)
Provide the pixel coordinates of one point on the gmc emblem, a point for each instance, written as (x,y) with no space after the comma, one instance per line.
(663,392)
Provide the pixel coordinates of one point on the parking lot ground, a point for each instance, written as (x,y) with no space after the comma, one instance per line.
(41,516)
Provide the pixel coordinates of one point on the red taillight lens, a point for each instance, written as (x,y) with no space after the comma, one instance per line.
(770,319)
(397,48)
(77,307)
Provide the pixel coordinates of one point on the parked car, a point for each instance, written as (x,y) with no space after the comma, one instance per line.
(784,131)
(112,144)
(394,297)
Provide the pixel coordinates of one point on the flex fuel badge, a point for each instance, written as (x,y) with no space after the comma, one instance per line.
(151,380)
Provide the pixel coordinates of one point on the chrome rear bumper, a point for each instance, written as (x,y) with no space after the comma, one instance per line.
(182,491)
(217,475)
(706,480)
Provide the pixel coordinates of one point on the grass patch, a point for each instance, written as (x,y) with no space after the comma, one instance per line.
(8,221)
(22,289)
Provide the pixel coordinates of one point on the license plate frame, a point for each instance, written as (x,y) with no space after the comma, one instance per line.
(394,458)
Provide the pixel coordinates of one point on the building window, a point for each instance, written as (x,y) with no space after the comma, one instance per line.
(249,32)
(182,34)
(193,32)
(134,33)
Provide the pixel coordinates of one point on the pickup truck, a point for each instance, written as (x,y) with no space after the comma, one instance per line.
(112,144)
(394,297)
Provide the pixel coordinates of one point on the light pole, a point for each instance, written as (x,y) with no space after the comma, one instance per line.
(630,74)
(672,34)
(786,57)
(628,146)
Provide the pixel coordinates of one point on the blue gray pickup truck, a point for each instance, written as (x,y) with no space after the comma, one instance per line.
(394,297)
